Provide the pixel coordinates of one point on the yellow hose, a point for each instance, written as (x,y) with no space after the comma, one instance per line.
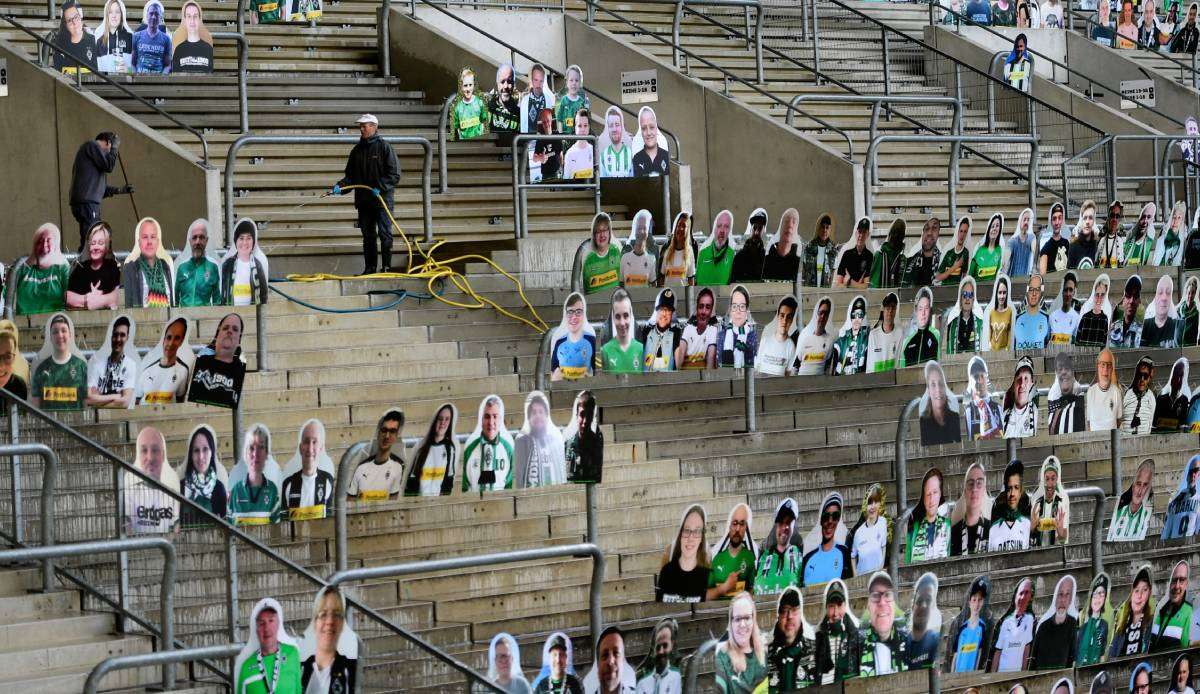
(434,270)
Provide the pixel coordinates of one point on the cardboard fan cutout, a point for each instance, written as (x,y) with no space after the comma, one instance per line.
(1051,518)
(220,369)
(1020,407)
(922,341)
(1096,630)
(1183,509)
(379,475)
(639,262)
(1105,397)
(1057,629)
(870,539)
(573,345)
(826,555)
(192,44)
(539,454)
(113,369)
(971,517)
(166,369)
(970,633)
(737,341)
(584,442)
(675,582)
(815,341)
(1171,409)
(149,509)
(308,486)
(434,462)
(59,381)
(488,455)
(270,662)
(939,409)
(329,647)
(777,346)
(983,414)
(203,479)
(254,498)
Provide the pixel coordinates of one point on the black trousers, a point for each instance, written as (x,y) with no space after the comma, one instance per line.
(87,214)
(373,221)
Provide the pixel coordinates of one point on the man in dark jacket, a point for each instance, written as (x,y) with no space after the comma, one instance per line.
(94,160)
(372,164)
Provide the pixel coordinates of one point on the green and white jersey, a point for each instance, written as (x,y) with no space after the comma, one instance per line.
(565,108)
(268,11)
(602,272)
(41,289)
(724,563)
(467,118)
(487,465)
(713,268)
(615,163)
(1139,252)
(60,386)
(777,571)
(255,505)
(1129,526)
(1174,627)
(257,675)
(615,360)
(198,283)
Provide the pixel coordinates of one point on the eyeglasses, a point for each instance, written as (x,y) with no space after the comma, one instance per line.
(574,312)
(73,19)
(857,314)
(975,484)
(968,295)
(879,596)
(692,532)
(739,307)
(831,516)
(743,619)
(390,431)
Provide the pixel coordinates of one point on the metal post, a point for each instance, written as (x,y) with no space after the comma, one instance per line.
(1114,456)
(887,68)
(593,523)
(231,585)
(1010,450)
(816,38)
(758,41)
(443,126)
(692,667)
(385,38)
(1111,179)
(675,33)
(952,182)
(935,680)
(122,559)
(243,49)
(1033,175)
(991,105)
(238,427)
(751,419)
(50,465)
(352,455)
(13,434)
(901,471)
(591,12)
(260,329)
(518,180)
(1098,517)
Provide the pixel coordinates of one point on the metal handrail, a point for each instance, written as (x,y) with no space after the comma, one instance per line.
(1183,67)
(1097,539)
(991,92)
(128,92)
(521,185)
(232,535)
(691,669)
(1109,178)
(50,466)
(243,61)
(871,168)
(577,550)
(961,19)
(681,6)
(675,152)
(165,659)
(876,102)
(729,76)
(166,595)
(238,144)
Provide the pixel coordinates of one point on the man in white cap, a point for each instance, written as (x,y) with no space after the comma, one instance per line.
(372,164)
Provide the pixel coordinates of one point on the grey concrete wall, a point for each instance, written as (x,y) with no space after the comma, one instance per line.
(540,34)
(43,121)
(740,158)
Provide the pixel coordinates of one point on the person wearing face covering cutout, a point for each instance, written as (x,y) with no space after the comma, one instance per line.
(748,261)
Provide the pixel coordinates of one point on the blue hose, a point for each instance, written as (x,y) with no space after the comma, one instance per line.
(400,294)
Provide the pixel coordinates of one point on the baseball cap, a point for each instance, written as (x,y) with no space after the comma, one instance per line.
(787,510)
(836,592)
(367,118)
(880,578)
(666,299)
(557,641)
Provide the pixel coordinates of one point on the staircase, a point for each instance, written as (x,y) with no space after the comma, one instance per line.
(912,175)
(329,77)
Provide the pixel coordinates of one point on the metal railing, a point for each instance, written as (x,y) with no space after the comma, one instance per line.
(524,555)
(238,144)
(104,78)
(543,355)
(50,467)
(959,20)
(443,120)
(164,659)
(871,169)
(1165,182)
(876,103)
(1097,536)
(747,5)
(594,5)
(243,53)
(1185,68)
(692,668)
(167,585)
(991,91)
(234,541)
(521,186)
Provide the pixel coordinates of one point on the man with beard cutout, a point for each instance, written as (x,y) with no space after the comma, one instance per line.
(1139,243)
(1066,405)
(779,562)
(920,267)
(1052,256)
(830,559)
(1056,634)
(839,641)
(748,261)
(1176,624)
(1159,329)
(792,652)
(926,622)
(659,672)
(735,557)
(1139,402)
(503,110)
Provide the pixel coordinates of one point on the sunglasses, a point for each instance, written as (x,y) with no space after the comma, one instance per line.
(831,516)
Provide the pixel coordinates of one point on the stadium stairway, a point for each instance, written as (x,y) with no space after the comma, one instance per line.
(318,80)
(912,175)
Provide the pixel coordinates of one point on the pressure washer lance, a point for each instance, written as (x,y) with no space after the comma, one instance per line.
(262,225)
(126,177)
